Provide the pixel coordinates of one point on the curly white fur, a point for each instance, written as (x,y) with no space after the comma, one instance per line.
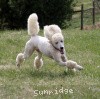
(52,45)
(50,30)
(33,25)
(19,59)
(38,63)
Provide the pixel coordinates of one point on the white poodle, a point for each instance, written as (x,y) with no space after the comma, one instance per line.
(52,45)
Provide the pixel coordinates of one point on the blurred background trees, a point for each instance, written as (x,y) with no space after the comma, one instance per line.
(14,13)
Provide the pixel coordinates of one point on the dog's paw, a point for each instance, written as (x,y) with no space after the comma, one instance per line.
(18,65)
(71,65)
(38,63)
(78,67)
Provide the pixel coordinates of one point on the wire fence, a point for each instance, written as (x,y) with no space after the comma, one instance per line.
(85,18)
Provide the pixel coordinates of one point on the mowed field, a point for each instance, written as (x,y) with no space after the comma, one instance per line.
(52,81)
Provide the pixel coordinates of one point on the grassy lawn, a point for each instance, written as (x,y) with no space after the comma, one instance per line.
(51,82)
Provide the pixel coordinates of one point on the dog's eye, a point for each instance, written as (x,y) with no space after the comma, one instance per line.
(61,41)
(56,43)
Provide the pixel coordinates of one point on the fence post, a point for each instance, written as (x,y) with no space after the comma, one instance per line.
(82,17)
(93,12)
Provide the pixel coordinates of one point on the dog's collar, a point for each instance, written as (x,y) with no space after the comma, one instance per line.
(55,47)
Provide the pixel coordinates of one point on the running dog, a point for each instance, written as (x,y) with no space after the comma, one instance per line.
(52,45)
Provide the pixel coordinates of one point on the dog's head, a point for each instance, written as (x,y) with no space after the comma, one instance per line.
(58,42)
(50,30)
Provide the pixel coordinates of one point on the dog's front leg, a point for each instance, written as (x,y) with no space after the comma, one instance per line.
(63,57)
(69,63)
(58,58)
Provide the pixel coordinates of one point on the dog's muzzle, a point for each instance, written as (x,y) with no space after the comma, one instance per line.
(62,50)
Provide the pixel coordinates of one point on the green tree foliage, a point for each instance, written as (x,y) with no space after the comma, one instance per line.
(14,13)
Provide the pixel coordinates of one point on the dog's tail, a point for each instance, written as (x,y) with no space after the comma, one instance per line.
(50,30)
(33,24)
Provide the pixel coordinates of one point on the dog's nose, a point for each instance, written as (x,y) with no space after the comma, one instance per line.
(61,47)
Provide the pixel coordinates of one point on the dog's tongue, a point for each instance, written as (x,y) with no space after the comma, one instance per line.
(61,51)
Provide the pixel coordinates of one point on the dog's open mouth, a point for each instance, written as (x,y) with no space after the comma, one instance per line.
(61,51)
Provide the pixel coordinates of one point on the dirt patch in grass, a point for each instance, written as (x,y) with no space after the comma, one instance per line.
(4,67)
(90,27)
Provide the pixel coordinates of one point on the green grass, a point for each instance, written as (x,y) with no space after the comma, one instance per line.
(81,46)
(79,2)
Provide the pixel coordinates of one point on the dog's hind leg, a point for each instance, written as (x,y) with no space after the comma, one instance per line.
(19,59)
(27,53)
(38,62)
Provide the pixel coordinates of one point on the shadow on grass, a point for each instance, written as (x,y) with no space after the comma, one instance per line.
(29,72)
(51,74)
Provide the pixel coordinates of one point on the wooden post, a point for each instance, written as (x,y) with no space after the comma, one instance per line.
(93,12)
(82,17)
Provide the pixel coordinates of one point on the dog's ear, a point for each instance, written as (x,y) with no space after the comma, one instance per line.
(52,29)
